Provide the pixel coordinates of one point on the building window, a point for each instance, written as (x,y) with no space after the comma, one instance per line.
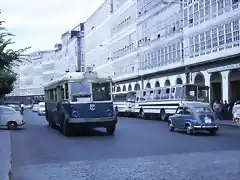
(178,51)
(196,39)
(220,7)
(191,44)
(202,41)
(174,52)
(214,8)
(196,14)
(228,32)
(208,40)
(236,30)
(162,57)
(221,35)
(190,15)
(166,55)
(185,17)
(214,38)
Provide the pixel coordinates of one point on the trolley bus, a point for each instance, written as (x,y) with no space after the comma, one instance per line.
(80,100)
(162,101)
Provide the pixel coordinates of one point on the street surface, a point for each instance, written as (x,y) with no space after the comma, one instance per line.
(139,150)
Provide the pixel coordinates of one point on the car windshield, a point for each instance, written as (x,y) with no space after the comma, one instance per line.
(203,109)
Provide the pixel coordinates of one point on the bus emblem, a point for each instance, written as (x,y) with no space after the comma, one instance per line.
(92,107)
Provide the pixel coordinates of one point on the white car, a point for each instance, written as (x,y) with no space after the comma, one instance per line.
(35,108)
(10,117)
(41,108)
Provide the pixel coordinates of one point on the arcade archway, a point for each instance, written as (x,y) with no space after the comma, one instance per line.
(157,84)
(124,88)
(136,87)
(129,87)
(179,81)
(199,79)
(234,85)
(148,86)
(216,86)
(167,83)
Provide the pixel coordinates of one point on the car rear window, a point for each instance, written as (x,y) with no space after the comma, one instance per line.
(203,109)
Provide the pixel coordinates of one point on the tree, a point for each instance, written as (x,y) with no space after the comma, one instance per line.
(8,59)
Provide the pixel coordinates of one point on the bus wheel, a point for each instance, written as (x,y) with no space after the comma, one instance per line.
(111,129)
(65,128)
(162,114)
(141,114)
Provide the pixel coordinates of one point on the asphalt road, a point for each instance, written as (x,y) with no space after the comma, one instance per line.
(140,150)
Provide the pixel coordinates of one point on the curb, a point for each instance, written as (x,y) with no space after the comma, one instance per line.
(9,175)
(230,125)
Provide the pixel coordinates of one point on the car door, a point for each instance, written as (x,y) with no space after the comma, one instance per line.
(187,116)
(7,114)
(177,117)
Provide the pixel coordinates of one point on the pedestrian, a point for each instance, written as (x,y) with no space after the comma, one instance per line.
(225,110)
(217,109)
(22,108)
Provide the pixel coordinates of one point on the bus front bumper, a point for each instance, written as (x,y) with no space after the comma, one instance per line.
(93,122)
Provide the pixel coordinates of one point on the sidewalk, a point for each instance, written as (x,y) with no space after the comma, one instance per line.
(228,123)
(5,154)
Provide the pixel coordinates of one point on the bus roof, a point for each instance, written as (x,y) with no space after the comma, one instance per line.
(78,77)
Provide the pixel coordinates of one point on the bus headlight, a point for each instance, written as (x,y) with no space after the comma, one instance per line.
(109,112)
(75,114)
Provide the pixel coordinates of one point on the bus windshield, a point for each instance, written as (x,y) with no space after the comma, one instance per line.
(101,91)
(203,93)
(80,92)
(191,92)
(131,97)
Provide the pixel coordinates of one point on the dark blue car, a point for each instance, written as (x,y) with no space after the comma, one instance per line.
(194,117)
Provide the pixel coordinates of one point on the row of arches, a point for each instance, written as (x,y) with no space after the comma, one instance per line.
(148,85)
(216,84)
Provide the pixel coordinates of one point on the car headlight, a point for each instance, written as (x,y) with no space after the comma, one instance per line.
(75,114)
(109,112)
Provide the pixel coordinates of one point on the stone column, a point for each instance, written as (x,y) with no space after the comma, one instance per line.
(225,85)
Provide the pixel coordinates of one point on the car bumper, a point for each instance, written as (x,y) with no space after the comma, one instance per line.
(41,113)
(206,127)
(22,123)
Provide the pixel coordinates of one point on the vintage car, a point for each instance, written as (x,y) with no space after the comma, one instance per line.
(194,117)
(10,118)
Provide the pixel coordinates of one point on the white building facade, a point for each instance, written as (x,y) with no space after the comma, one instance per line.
(40,68)
(168,43)
(110,38)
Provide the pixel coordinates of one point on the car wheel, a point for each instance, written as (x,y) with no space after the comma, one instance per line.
(189,130)
(12,125)
(213,132)
(170,127)
(111,129)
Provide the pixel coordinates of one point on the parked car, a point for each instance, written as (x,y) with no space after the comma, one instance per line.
(10,117)
(35,108)
(194,117)
(16,107)
(41,108)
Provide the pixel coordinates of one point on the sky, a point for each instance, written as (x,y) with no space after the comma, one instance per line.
(40,23)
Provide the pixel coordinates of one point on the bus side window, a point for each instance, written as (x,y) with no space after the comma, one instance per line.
(66,91)
(172,95)
(178,93)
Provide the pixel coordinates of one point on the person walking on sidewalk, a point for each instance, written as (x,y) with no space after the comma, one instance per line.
(217,109)
(236,112)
